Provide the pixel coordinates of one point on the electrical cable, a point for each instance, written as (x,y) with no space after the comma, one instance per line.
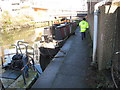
(113,77)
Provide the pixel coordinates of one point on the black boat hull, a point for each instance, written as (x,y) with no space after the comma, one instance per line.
(46,55)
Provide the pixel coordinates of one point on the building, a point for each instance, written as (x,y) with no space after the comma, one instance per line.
(10,5)
(103,18)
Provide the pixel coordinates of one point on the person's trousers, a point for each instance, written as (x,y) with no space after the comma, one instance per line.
(83,35)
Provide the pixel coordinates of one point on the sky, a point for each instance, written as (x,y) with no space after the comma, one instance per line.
(64,4)
(77,5)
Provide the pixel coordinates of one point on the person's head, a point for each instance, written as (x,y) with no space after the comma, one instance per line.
(84,19)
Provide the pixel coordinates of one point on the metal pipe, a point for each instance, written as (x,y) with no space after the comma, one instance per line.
(96,12)
(25,48)
(95,35)
(19,46)
(32,49)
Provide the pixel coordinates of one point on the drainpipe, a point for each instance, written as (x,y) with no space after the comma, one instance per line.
(96,12)
(95,35)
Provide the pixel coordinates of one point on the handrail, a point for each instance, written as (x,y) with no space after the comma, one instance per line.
(19,45)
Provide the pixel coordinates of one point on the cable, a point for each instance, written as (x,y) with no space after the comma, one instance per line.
(113,77)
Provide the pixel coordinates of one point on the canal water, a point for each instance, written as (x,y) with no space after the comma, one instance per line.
(8,38)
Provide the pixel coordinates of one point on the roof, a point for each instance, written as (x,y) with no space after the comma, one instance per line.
(38,8)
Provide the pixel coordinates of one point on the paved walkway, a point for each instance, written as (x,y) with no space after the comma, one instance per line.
(69,71)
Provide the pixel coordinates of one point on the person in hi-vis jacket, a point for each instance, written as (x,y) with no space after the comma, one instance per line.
(83,27)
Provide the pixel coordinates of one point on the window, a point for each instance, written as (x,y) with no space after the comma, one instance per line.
(15,4)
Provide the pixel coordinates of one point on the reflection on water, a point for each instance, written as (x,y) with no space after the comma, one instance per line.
(7,51)
(8,38)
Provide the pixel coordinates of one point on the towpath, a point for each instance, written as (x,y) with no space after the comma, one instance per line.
(69,70)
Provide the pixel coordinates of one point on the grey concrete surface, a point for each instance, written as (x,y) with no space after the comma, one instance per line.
(69,71)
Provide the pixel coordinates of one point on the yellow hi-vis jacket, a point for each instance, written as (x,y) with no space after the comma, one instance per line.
(83,26)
